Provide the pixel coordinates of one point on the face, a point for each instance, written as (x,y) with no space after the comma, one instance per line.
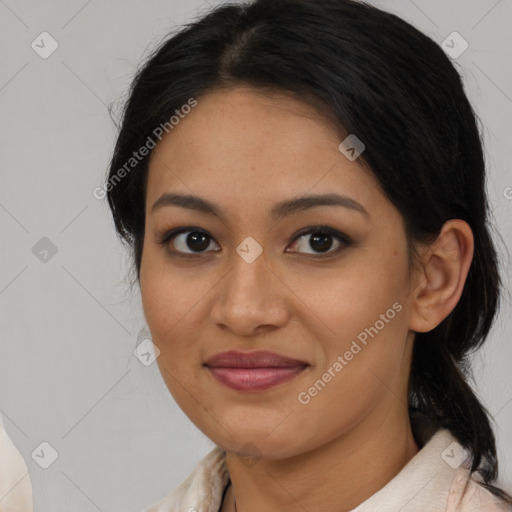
(327,285)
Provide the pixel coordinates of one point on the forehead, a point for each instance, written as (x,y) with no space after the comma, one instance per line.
(241,120)
(240,143)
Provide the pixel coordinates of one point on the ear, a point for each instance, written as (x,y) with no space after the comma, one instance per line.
(441,276)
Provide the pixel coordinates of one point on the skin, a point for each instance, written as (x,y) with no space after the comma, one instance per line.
(245,152)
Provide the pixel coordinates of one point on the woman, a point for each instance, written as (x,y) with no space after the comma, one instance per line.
(303,187)
(15,482)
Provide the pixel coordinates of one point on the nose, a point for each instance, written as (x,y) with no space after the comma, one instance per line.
(251,298)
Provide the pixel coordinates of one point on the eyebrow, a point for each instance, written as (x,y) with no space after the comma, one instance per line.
(278,211)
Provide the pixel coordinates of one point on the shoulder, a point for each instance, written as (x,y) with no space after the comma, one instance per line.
(15,482)
(202,490)
(467,495)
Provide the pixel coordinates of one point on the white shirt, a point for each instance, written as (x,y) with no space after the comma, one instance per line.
(432,481)
(15,483)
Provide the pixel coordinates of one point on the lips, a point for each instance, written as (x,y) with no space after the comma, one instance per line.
(260,359)
(253,371)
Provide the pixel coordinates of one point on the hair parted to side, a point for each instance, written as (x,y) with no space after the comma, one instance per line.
(372,74)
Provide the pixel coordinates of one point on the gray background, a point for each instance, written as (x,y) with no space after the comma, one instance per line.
(69,325)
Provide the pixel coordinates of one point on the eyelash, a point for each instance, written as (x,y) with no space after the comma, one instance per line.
(322,229)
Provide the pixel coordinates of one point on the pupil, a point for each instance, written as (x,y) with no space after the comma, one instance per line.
(326,245)
(201,243)
(194,237)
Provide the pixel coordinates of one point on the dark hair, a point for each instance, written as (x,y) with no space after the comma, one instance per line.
(372,74)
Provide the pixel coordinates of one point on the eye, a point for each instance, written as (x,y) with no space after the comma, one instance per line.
(198,241)
(320,240)
(187,237)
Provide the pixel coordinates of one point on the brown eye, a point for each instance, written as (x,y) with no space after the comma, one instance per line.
(187,240)
(319,239)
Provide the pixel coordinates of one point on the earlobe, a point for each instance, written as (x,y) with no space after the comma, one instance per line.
(441,277)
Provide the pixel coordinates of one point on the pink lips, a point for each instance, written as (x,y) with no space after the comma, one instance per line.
(253,371)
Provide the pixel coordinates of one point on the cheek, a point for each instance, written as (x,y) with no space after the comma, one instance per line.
(163,292)
(355,300)
(169,313)
(367,317)
(173,303)
(167,309)
(360,370)
(164,302)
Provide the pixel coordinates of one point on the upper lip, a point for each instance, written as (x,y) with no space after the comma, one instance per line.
(258,359)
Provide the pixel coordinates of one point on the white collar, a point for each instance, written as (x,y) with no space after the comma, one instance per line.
(422,485)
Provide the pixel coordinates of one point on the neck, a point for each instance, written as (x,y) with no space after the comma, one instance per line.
(340,474)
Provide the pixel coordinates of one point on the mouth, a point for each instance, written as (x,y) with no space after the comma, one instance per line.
(253,371)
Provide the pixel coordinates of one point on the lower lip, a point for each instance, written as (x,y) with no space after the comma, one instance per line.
(254,379)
